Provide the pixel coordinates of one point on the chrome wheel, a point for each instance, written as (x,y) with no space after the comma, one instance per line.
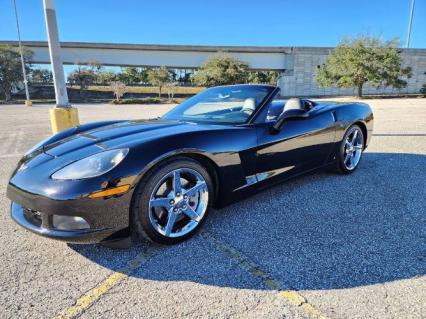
(354,145)
(178,202)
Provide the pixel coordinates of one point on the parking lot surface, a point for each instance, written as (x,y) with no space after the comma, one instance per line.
(323,245)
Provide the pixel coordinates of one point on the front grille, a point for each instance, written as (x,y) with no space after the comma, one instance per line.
(34,217)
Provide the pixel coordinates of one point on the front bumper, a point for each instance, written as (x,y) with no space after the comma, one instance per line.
(108,218)
(72,236)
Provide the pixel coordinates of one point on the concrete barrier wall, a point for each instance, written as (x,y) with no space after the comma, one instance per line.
(301,81)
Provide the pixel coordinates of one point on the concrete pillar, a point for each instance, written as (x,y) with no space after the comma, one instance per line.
(55,54)
(280,83)
(63,115)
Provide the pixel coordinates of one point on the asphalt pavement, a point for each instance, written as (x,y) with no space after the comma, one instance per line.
(321,246)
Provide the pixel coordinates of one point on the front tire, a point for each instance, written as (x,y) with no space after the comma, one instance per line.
(350,150)
(172,201)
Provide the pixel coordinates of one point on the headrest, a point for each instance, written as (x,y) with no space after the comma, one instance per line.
(249,104)
(293,104)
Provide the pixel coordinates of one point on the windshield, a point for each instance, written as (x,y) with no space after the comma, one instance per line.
(222,105)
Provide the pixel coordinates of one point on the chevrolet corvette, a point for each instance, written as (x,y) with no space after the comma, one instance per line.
(158,179)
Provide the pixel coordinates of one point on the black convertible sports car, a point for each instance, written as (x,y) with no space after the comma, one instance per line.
(158,179)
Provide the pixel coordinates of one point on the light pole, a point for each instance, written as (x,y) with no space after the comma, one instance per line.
(63,115)
(410,23)
(21,51)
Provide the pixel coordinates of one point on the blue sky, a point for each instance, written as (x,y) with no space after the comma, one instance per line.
(211,22)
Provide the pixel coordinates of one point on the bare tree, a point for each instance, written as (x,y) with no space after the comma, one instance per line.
(171,89)
(119,88)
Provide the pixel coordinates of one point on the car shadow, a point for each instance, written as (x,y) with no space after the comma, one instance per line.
(322,231)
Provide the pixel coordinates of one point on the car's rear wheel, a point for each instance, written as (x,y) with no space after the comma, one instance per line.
(350,151)
(172,201)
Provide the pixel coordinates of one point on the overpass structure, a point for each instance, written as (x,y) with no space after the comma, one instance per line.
(173,56)
(297,64)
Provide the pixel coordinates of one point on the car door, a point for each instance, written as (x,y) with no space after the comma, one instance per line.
(301,145)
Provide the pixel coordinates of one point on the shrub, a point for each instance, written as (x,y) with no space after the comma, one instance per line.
(145,100)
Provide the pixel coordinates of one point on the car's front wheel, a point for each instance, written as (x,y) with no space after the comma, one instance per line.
(350,151)
(172,201)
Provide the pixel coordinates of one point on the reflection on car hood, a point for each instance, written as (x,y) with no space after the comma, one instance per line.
(120,135)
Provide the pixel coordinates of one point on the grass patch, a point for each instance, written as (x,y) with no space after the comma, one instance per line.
(187,90)
(145,100)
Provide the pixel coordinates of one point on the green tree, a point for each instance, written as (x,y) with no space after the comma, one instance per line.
(11,69)
(132,75)
(269,77)
(221,69)
(355,62)
(82,76)
(186,78)
(257,77)
(41,76)
(173,75)
(159,77)
(273,77)
(105,77)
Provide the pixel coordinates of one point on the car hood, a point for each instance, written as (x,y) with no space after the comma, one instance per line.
(122,134)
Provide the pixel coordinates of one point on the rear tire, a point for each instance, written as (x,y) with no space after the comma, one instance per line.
(172,201)
(350,150)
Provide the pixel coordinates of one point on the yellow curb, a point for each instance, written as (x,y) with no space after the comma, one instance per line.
(62,118)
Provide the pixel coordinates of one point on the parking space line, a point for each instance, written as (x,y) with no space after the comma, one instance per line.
(89,298)
(255,270)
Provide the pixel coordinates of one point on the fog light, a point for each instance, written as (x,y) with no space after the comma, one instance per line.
(69,222)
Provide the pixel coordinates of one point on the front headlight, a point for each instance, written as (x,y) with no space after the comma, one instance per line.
(92,166)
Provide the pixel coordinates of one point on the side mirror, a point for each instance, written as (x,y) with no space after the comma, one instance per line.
(290,114)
